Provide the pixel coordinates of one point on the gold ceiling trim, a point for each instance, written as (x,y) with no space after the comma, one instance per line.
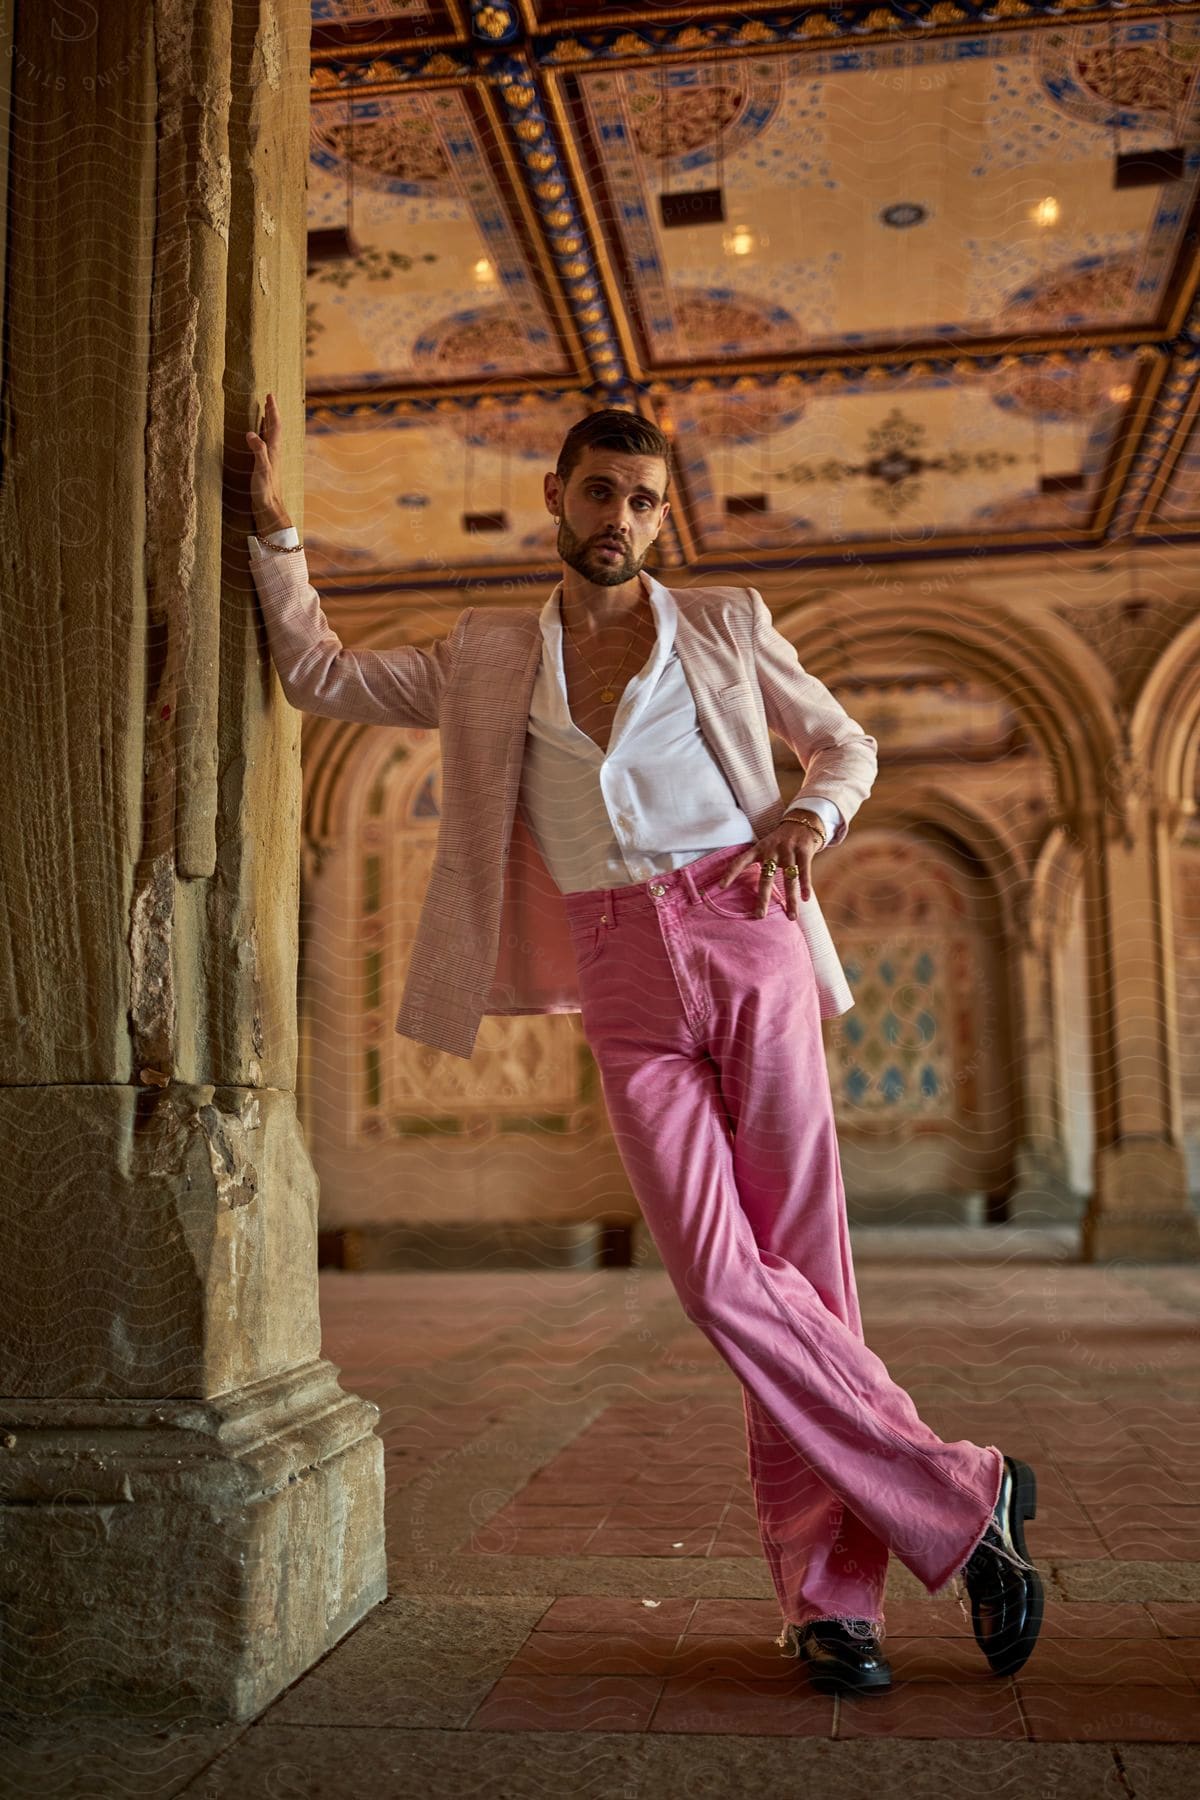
(901,358)
(1129,441)
(1010,12)
(1167,464)
(824,374)
(561,126)
(535,230)
(565,52)
(846,551)
(422,397)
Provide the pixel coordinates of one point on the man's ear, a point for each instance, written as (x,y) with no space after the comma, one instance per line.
(551,490)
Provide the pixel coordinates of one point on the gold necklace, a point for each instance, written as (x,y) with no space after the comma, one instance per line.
(608,692)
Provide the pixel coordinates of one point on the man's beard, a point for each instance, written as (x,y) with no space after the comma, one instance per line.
(584,557)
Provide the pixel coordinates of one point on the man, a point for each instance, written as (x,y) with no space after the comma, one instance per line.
(608,793)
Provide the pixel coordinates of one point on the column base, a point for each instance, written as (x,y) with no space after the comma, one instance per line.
(185,1558)
(1140,1207)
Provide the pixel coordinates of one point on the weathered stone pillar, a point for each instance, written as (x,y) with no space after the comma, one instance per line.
(190,1506)
(1139,1206)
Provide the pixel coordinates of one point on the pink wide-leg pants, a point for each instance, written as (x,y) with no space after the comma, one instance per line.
(704,1022)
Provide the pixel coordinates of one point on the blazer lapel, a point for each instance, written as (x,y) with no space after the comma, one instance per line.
(494,704)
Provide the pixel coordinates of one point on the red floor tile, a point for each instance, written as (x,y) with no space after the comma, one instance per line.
(645,1540)
(757,1661)
(520,1513)
(979,1707)
(1134,1483)
(935,1658)
(1107,1662)
(706,1517)
(1097,1619)
(790,1709)
(1186,1652)
(596,1653)
(612,1613)
(1175,1618)
(733,1618)
(1094,1715)
(565,1540)
(1149,1533)
(568,1703)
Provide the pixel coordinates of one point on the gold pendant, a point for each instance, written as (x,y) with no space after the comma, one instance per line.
(608,695)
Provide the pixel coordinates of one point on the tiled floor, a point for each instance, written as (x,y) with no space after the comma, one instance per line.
(579,1604)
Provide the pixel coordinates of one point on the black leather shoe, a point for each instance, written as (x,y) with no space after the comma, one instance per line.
(1006,1590)
(841,1660)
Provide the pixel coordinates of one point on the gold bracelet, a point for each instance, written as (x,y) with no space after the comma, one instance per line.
(280,549)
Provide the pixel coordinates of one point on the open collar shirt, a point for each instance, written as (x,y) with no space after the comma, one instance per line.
(655,799)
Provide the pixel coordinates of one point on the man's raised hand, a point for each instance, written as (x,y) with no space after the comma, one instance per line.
(267,445)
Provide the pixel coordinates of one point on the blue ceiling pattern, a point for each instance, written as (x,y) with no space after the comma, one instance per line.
(891,340)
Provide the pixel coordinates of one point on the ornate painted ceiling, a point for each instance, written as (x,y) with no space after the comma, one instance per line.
(870,266)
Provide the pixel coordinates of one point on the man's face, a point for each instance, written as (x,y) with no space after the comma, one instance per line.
(611,509)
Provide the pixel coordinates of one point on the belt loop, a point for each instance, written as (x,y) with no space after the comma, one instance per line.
(690,884)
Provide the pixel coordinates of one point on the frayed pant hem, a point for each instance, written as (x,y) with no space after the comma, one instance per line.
(787,1639)
(947,1579)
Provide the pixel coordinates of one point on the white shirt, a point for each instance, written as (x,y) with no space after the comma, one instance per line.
(655,799)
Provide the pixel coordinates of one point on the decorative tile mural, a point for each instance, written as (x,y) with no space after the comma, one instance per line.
(910,944)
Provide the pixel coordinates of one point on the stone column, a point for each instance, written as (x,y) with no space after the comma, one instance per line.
(191,1508)
(1139,1206)
(1040,1194)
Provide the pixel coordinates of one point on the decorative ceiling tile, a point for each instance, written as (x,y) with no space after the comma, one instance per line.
(901,193)
(906,460)
(446,284)
(390,492)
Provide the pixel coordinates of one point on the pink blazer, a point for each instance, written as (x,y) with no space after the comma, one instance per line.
(492,937)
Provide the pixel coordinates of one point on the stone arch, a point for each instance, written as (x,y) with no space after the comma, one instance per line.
(334,752)
(1164,727)
(926,806)
(1058,686)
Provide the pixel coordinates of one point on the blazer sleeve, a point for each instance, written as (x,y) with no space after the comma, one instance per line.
(319,675)
(840,759)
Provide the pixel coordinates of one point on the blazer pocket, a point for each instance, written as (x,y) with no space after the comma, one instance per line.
(735,694)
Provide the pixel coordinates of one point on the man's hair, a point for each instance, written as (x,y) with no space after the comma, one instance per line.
(612,429)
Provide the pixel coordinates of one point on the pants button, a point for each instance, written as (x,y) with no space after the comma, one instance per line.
(657,888)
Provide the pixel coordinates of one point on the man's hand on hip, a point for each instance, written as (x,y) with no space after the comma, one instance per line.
(792,844)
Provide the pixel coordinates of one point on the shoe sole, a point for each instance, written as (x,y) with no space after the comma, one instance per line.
(1008,1657)
(827,1683)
